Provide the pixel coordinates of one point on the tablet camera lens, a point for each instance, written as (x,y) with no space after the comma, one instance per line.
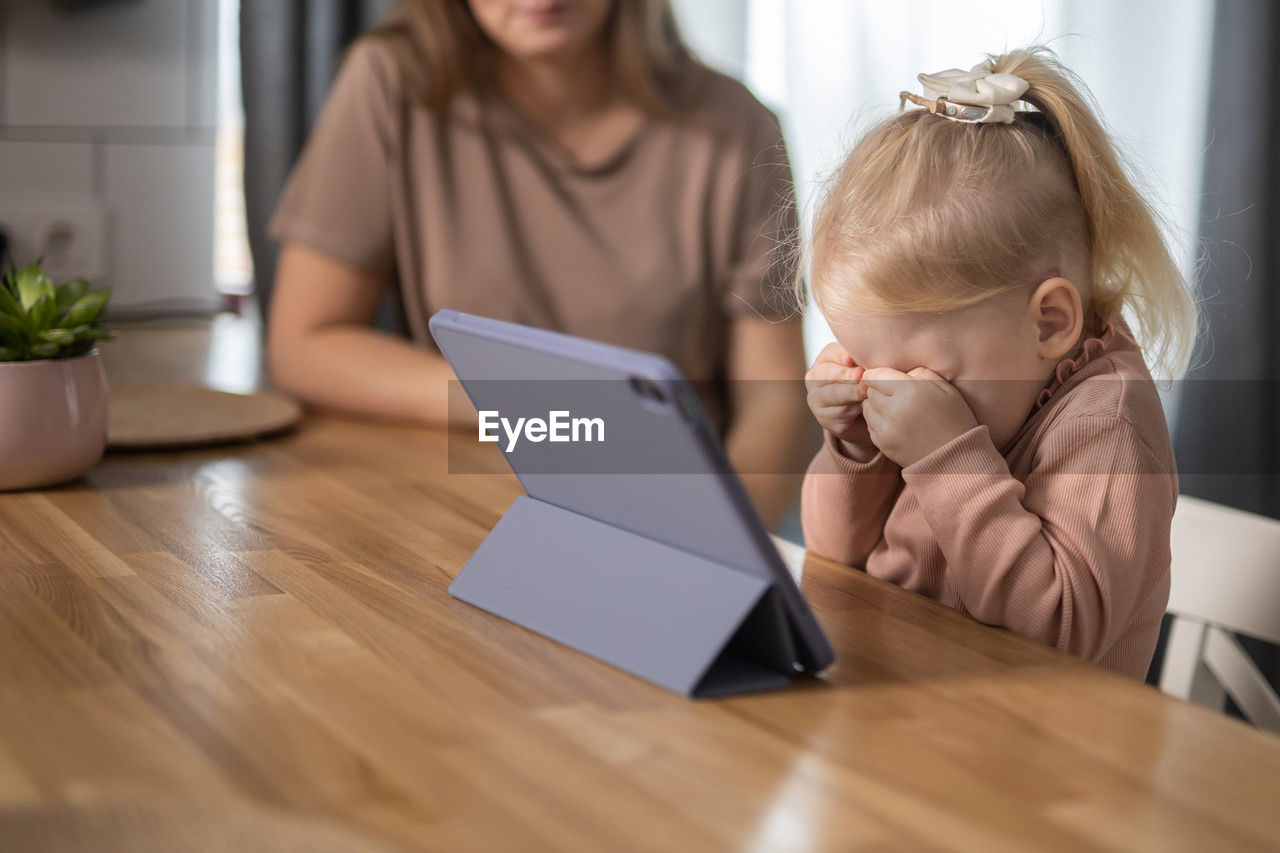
(648,389)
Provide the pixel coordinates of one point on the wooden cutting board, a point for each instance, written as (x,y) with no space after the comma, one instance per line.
(159,415)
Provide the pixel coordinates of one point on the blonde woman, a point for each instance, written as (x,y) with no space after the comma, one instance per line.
(994,439)
(561,163)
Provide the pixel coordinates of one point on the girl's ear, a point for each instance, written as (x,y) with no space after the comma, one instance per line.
(1058,314)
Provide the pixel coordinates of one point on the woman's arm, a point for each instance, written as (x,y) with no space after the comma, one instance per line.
(771,435)
(322,348)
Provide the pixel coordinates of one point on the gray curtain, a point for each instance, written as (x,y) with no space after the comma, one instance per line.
(1228,433)
(289,51)
(1228,427)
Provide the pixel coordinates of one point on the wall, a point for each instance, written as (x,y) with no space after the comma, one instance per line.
(107,129)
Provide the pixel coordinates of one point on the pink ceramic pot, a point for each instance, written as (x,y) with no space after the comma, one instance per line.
(53,419)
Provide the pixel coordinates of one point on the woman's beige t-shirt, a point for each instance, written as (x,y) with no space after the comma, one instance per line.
(688,224)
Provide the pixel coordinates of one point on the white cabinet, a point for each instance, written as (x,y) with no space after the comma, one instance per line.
(113,108)
(161,199)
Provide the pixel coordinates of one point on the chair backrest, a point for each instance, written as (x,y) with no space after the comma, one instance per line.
(1226,581)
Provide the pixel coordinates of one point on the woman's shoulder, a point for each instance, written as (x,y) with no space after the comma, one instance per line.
(714,102)
(373,63)
(383,69)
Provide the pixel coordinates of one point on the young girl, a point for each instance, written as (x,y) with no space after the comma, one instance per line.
(993,437)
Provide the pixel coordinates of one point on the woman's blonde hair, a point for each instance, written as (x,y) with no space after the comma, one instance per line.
(442,49)
(928,214)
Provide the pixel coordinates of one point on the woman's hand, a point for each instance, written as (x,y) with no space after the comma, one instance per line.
(910,415)
(835,396)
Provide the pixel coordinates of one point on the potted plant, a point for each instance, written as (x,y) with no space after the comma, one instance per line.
(53,393)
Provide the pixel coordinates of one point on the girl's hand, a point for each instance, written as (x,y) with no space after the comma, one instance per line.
(835,397)
(910,415)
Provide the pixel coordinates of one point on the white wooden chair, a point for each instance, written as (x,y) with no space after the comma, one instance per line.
(1226,580)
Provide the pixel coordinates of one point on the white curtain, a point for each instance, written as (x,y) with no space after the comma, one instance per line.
(831,67)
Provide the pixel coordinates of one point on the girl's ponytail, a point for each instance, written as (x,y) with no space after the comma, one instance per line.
(1131,267)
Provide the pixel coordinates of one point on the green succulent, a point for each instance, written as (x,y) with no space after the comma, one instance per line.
(39,319)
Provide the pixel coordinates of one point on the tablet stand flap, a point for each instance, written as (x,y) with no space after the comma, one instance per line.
(679,620)
(759,656)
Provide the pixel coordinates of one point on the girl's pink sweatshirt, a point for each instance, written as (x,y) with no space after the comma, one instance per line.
(1062,536)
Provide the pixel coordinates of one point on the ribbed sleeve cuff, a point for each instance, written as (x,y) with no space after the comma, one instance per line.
(969,453)
(833,460)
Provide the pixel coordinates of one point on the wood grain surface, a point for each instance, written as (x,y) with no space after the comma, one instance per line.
(258,640)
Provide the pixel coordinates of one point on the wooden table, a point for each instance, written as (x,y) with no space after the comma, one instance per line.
(252,647)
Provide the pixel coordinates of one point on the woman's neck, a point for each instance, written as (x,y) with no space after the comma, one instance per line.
(557,92)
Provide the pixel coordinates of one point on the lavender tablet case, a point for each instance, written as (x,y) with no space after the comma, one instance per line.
(640,549)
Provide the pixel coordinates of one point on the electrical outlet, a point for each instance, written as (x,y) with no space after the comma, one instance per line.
(68,235)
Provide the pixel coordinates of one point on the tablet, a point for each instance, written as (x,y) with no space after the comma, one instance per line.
(618,436)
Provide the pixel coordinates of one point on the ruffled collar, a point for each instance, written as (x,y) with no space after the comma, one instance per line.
(1088,350)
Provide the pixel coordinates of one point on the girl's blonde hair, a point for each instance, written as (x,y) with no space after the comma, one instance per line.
(928,214)
(442,49)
